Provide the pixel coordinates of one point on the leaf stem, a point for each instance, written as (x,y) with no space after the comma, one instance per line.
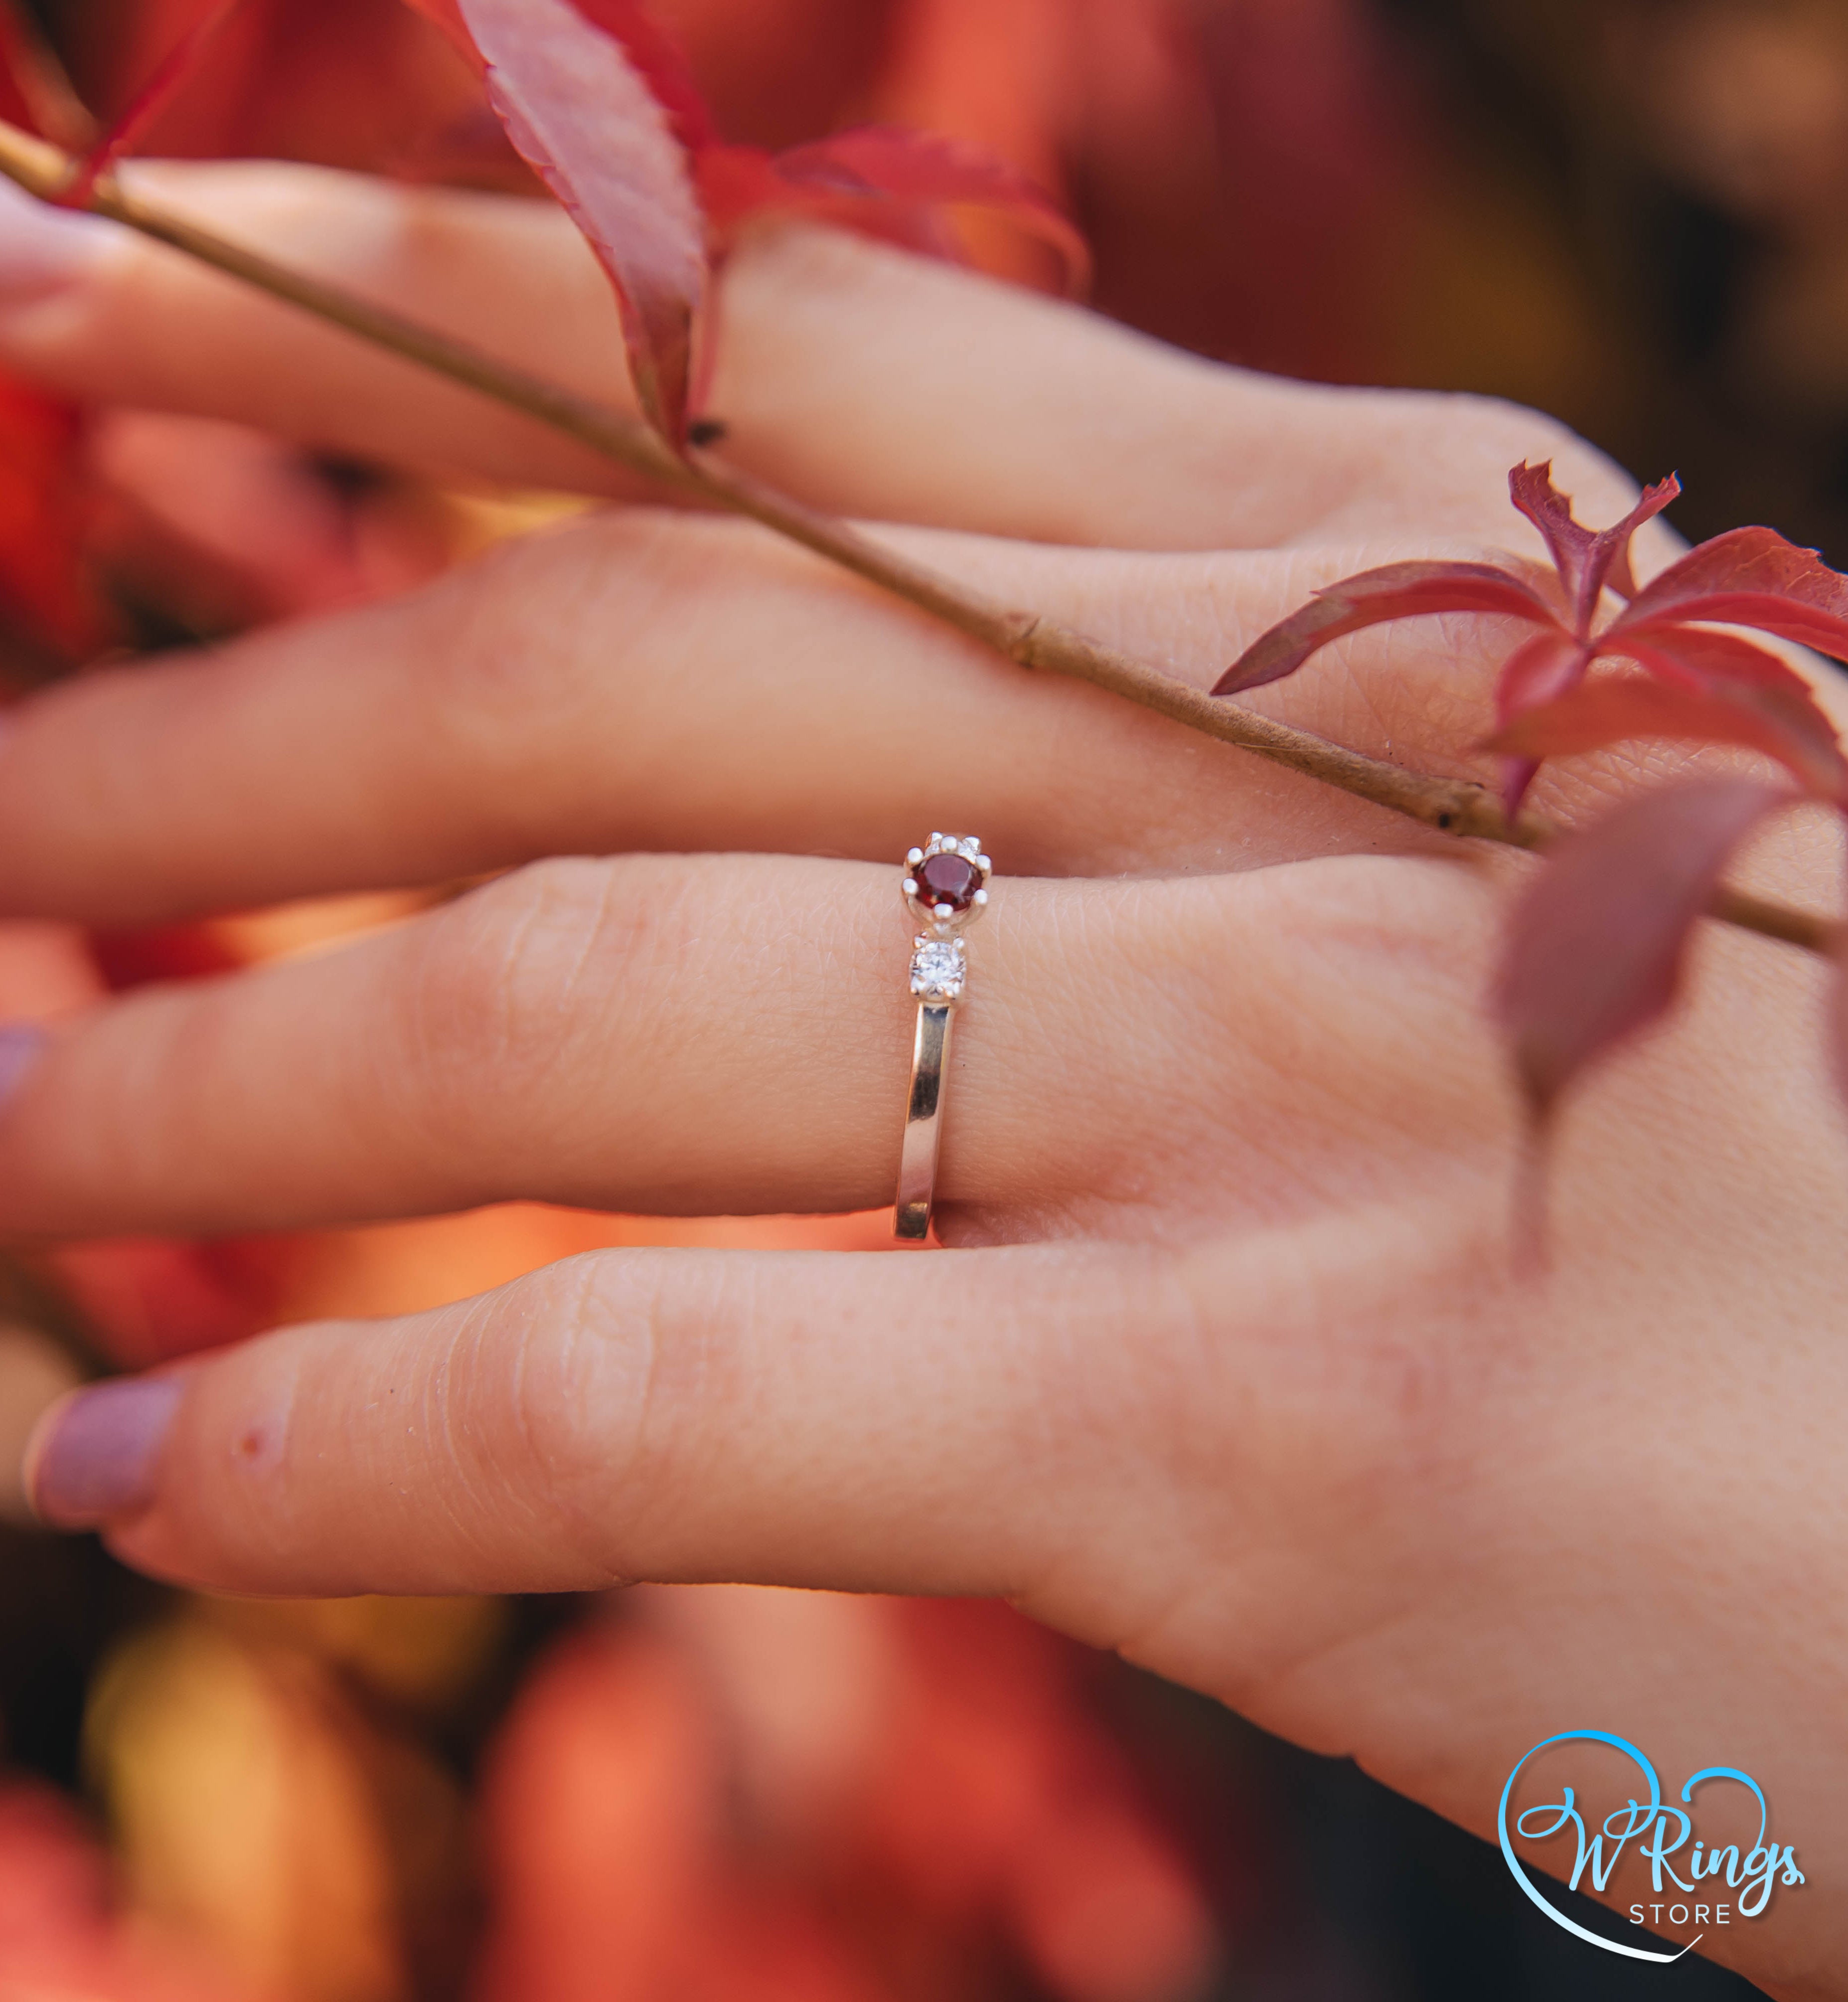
(1459,806)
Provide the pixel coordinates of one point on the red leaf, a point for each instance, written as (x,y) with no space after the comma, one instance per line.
(1396,591)
(148,103)
(736,182)
(46,583)
(151,1299)
(663,65)
(1537,671)
(1747,576)
(1597,945)
(648,46)
(1696,656)
(1783,725)
(579,110)
(887,168)
(1587,560)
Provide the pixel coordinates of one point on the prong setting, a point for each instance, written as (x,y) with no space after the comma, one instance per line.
(939,968)
(945,881)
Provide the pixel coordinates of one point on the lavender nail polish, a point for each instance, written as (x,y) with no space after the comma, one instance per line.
(21,1043)
(93,1457)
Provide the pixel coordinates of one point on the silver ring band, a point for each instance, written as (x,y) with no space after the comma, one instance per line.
(946,888)
(923,1122)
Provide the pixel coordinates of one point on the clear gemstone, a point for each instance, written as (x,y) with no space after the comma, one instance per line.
(937,969)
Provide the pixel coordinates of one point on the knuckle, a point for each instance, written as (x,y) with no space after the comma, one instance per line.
(605,582)
(517,981)
(616,1371)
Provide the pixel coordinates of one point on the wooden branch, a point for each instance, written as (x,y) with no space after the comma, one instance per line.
(1456,806)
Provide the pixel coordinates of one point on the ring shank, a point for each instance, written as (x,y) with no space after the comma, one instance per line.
(923,1123)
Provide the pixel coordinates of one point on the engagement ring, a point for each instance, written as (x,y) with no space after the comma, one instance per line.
(946,886)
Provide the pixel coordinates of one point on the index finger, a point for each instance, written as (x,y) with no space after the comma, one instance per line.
(864,380)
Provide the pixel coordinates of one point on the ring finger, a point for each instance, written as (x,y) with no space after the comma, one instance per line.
(730,1033)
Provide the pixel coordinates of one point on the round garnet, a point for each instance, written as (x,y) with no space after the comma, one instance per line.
(947,879)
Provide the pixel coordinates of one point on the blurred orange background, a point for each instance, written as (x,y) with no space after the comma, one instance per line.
(1629,211)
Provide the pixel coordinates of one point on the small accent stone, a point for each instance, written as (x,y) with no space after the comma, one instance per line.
(937,969)
(947,879)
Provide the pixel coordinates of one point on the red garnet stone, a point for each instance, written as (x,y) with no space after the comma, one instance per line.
(947,879)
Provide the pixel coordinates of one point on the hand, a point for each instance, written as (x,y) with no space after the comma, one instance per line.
(1229,1368)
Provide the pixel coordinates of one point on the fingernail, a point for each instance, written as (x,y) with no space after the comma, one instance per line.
(44,248)
(21,1045)
(92,1458)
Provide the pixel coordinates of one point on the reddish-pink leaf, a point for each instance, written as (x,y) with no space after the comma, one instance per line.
(648,45)
(146,104)
(1747,576)
(918,173)
(1597,943)
(663,65)
(1696,656)
(1784,723)
(579,110)
(1587,560)
(736,182)
(1536,672)
(1396,591)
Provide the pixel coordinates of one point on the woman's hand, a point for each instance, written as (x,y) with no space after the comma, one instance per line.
(1230,1367)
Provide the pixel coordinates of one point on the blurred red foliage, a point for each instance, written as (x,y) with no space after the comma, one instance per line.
(731,1795)
(743,1833)
(49,592)
(64,1936)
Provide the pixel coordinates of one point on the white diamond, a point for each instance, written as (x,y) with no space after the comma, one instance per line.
(937,969)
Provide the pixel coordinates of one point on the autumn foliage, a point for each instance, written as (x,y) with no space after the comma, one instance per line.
(278,1825)
(980,1817)
(599,103)
(1596,947)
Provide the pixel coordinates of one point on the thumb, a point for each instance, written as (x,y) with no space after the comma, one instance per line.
(821,1419)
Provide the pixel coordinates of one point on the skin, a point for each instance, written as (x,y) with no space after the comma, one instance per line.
(1231,1364)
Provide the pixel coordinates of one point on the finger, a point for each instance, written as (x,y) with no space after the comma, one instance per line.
(649,681)
(732,1034)
(868,382)
(812,1418)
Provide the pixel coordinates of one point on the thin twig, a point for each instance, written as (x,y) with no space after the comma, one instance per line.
(1455,806)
